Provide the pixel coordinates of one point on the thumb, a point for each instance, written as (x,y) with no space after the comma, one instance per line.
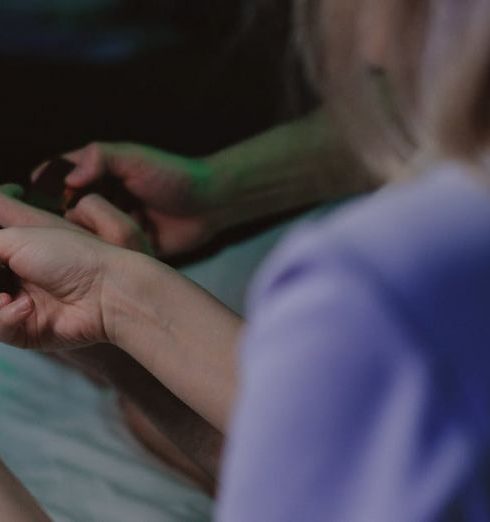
(96,214)
(78,177)
(13,313)
(91,164)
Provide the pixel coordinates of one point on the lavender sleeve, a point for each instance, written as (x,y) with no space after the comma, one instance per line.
(359,402)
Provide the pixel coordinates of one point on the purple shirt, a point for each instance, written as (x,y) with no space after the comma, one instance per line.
(365,392)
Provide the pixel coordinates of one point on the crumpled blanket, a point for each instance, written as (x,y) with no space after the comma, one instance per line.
(65,440)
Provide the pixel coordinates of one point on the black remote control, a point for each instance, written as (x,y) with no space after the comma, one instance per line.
(9,281)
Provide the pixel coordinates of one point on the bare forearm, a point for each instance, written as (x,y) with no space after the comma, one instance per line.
(183,427)
(179,333)
(288,167)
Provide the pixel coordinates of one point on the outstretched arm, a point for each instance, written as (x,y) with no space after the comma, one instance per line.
(184,431)
(78,291)
(177,331)
(185,437)
(185,201)
(290,166)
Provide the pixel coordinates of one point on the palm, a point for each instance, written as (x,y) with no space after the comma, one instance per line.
(61,274)
(55,323)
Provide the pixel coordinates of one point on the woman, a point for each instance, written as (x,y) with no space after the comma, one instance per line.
(356,399)
(364,390)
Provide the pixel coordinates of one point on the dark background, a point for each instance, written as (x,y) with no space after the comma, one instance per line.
(220,72)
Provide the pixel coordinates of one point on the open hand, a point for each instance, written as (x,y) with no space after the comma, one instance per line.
(66,277)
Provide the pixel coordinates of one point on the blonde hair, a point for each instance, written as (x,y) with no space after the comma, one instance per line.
(432,100)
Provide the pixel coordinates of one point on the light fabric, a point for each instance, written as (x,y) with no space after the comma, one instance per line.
(65,440)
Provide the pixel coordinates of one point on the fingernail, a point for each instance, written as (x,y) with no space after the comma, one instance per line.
(4,299)
(75,175)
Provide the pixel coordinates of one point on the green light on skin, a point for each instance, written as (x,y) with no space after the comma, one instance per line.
(193,178)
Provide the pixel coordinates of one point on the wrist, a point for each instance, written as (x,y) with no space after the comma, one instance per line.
(176,330)
(127,295)
(267,174)
(218,191)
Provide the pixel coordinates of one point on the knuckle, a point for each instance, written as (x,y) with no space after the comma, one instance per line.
(83,205)
(93,146)
(89,202)
(94,150)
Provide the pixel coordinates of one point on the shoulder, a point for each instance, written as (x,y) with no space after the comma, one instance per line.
(415,255)
(367,331)
(413,239)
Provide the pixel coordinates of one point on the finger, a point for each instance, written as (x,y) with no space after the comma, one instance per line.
(13,315)
(91,164)
(96,214)
(5,299)
(89,161)
(12,190)
(17,213)
(42,169)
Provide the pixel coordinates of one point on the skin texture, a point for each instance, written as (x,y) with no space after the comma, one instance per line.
(186,202)
(163,422)
(94,292)
(172,216)
(78,291)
